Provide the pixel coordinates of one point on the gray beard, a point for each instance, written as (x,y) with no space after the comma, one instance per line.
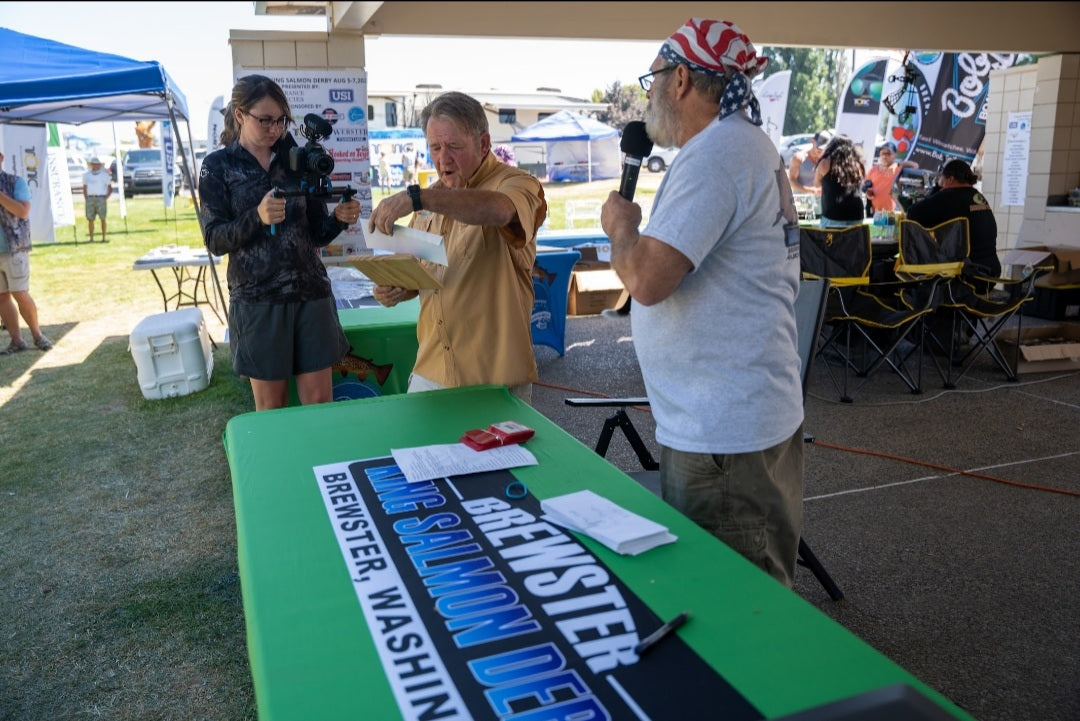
(661,124)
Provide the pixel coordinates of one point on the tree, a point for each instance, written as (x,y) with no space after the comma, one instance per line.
(818,77)
(625,103)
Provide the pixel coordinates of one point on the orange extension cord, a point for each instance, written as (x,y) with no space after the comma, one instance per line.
(879,454)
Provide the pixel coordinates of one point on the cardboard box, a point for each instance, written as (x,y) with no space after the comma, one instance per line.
(1065,262)
(172,353)
(593,288)
(1049,349)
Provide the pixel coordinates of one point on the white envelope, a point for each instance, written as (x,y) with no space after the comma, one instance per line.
(427,246)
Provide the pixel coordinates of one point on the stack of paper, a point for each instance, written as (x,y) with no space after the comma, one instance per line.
(614,526)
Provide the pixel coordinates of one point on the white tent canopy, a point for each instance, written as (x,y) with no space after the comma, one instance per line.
(578,147)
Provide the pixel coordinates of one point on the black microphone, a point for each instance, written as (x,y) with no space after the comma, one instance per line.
(636,146)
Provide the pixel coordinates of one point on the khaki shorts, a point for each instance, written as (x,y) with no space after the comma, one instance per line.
(96,207)
(14,272)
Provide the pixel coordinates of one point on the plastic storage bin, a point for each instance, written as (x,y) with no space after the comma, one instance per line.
(172,353)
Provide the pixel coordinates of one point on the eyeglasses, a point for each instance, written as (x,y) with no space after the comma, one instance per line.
(646,80)
(268,123)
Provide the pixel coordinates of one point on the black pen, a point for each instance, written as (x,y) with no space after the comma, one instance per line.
(656,636)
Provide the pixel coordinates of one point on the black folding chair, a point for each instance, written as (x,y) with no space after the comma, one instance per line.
(809,312)
(968,301)
(869,324)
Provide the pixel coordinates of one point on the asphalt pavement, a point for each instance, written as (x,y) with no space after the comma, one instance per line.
(939,515)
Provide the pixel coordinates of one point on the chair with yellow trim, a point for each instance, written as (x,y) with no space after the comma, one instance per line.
(972,311)
(868,324)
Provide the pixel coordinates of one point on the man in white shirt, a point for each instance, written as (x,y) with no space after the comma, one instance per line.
(97,187)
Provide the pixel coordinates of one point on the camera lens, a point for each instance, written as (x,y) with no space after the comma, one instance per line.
(322,163)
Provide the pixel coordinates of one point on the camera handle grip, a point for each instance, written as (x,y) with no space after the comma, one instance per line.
(277,194)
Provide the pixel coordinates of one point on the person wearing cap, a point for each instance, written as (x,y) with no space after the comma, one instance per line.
(97,187)
(714,275)
(804,164)
(956,196)
(881,178)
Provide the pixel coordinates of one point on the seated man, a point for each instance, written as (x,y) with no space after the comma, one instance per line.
(956,197)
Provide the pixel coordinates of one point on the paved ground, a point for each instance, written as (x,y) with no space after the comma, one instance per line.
(968,582)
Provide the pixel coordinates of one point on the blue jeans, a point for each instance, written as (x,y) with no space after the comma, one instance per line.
(830,223)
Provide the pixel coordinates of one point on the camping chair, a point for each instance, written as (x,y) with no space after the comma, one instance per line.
(967,299)
(868,323)
(809,311)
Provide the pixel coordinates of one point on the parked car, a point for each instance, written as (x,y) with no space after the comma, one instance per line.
(142,172)
(661,158)
(76,168)
(791,144)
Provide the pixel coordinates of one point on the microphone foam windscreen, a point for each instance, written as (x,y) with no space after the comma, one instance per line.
(635,141)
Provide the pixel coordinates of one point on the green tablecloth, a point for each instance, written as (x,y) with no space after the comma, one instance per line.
(383,344)
(312,655)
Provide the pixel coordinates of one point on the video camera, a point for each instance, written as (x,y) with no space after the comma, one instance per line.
(313,162)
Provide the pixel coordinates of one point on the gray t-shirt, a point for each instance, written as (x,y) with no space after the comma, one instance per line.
(719,356)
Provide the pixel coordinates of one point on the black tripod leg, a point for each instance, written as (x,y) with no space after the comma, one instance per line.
(808,559)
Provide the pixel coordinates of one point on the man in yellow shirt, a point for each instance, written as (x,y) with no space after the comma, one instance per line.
(475,329)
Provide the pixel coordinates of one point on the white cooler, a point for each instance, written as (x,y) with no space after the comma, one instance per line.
(172,353)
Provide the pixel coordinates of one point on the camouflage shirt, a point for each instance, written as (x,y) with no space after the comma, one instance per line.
(265,265)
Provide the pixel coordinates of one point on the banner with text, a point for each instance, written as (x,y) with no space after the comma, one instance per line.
(340,98)
(857,113)
(479,608)
(772,95)
(26,155)
(943,116)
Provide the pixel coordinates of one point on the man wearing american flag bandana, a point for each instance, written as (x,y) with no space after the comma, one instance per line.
(713,277)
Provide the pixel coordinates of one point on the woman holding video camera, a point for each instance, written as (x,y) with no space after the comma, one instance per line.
(283,320)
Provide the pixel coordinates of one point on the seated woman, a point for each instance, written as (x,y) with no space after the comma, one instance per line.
(839,174)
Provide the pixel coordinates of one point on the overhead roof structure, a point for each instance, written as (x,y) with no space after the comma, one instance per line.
(1033,27)
(46,81)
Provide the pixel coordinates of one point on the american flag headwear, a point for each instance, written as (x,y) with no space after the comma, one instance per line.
(720,48)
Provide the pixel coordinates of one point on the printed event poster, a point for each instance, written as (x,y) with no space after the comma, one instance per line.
(1015,165)
(480,608)
(340,98)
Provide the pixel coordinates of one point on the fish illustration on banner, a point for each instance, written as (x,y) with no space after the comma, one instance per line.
(857,113)
(942,114)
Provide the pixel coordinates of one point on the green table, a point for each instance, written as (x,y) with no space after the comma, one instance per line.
(312,653)
(384,347)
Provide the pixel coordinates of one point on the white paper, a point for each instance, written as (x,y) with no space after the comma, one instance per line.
(427,246)
(425,463)
(620,530)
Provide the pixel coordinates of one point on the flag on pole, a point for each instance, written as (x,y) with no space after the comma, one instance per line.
(857,112)
(215,123)
(772,95)
(59,182)
(168,164)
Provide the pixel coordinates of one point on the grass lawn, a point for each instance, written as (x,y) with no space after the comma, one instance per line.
(121,591)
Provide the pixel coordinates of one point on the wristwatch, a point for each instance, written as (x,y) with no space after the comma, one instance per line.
(414,193)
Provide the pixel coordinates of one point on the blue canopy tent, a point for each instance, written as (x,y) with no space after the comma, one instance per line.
(578,147)
(44,81)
